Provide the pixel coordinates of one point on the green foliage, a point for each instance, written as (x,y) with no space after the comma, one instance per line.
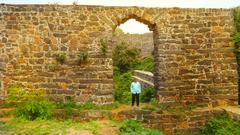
(87,106)
(91,106)
(146,64)
(154,101)
(104,46)
(67,106)
(16,94)
(237,40)
(82,58)
(122,84)
(147,94)
(133,127)
(70,105)
(124,57)
(237,18)
(30,105)
(61,57)
(221,125)
(34,109)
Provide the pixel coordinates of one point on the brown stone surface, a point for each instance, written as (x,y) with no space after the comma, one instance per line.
(144,42)
(194,60)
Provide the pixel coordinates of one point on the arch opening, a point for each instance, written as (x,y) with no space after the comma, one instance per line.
(144,69)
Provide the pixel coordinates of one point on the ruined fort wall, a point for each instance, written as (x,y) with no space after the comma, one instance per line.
(194,59)
(144,42)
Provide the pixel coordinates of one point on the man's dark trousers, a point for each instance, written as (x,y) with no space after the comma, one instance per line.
(135,96)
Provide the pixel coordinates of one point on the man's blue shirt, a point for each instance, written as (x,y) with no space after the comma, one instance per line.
(135,87)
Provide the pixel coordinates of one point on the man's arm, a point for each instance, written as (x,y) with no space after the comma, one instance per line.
(131,87)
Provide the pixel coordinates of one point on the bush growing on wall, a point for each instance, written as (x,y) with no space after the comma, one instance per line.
(61,57)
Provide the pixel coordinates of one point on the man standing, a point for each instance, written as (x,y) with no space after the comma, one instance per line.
(135,90)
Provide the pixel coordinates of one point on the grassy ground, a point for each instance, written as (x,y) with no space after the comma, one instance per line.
(54,127)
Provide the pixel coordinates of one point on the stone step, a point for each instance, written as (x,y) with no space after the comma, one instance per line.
(232,111)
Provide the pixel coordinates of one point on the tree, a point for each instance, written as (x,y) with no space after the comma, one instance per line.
(124,57)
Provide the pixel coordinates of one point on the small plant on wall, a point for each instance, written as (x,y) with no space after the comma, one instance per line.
(83,58)
(61,57)
(104,46)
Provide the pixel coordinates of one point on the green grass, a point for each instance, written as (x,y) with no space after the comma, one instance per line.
(87,106)
(55,127)
(133,127)
(42,127)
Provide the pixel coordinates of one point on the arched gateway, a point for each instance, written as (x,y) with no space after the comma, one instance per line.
(194,59)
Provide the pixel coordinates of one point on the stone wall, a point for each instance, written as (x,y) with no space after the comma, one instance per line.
(145,78)
(169,123)
(143,42)
(194,59)
(172,123)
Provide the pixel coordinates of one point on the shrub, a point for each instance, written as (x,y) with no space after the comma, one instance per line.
(67,106)
(34,109)
(129,126)
(16,94)
(122,84)
(133,127)
(61,57)
(237,40)
(221,125)
(146,64)
(30,105)
(124,57)
(154,101)
(147,94)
